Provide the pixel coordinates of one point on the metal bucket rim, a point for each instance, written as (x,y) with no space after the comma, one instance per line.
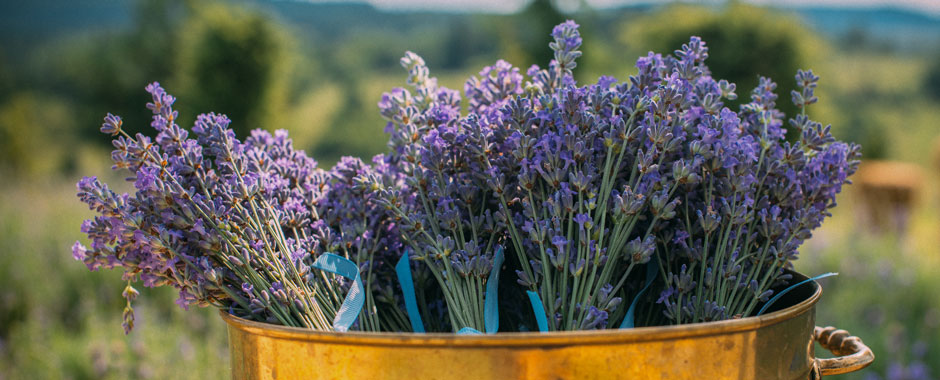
(517,339)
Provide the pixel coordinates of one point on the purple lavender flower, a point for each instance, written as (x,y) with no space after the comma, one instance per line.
(591,181)
(227,223)
(446,218)
(584,184)
(489,92)
(751,180)
(566,44)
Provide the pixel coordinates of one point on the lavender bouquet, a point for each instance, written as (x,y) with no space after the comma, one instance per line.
(443,206)
(235,224)
(588,183)
(618,204)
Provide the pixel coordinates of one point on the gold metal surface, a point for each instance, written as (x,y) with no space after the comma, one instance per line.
(854,355)
(777,345)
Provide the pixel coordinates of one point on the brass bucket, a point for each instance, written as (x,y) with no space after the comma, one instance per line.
(778,345)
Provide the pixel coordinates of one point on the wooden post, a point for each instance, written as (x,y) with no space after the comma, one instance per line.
(888,191)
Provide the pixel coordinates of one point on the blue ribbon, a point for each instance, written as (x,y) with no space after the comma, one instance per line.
(469,331)
(352,305)
(491,300)
(652,270)
(403,270)
(539,309)
(785,291)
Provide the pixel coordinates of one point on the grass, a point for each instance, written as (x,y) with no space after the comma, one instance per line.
(889,284)
(59,321)
(878,101)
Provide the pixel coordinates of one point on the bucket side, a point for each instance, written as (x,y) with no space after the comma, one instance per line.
(779,351)
(778,345)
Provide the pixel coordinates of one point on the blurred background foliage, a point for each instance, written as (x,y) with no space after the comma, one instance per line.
(223,43)
(318,70)
(745,42)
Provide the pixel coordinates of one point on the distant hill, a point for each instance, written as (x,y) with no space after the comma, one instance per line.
(25,24)
(904,28)
(338,19)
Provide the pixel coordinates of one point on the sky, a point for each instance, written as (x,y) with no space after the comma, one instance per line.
(507,6)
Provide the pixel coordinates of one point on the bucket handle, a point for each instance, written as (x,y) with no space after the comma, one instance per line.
(853,354)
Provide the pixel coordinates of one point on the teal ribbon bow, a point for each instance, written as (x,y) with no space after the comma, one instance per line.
(355,299)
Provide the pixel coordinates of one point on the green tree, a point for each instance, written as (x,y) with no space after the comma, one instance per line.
(235,61)
(107,71)
(534,25)
(744,42)
(6,79)
(932,80)
(33,134)
(523,38)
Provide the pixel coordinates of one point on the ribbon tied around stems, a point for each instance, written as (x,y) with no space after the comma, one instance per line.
(652,269)
(403,271)
(355,299)
(490,300)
